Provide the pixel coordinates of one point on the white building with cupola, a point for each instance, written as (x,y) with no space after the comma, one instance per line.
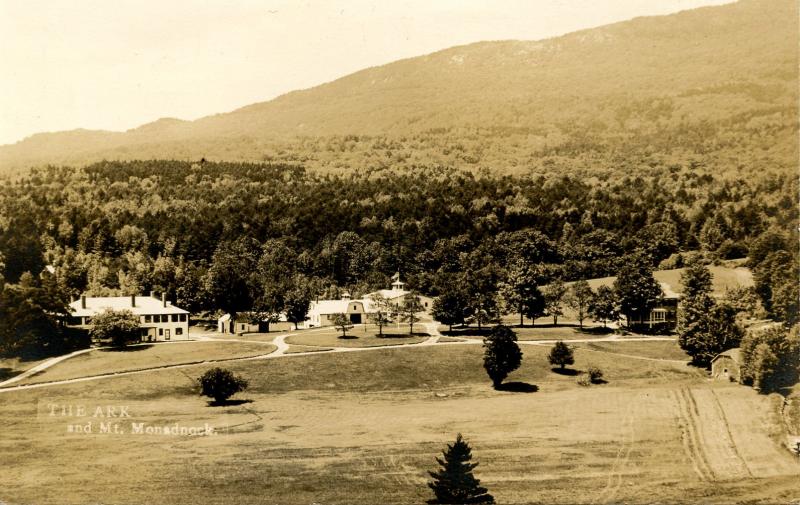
(322,312)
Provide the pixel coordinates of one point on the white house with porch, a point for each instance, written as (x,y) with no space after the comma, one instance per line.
(158,318)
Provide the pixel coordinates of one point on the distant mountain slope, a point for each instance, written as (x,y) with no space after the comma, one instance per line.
(718,84)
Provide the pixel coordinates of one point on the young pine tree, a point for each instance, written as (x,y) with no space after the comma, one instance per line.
(454,482)
(561,355)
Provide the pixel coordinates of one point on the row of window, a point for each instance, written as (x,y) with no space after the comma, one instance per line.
(164,318)
(158,318)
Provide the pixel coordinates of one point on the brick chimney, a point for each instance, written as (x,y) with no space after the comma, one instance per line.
(133,300)
(83,301)
(152,294)
(163,299)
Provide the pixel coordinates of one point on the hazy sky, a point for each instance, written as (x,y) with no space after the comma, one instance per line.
(116,64)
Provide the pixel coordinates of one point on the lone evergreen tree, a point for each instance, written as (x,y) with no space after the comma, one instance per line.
(561,355)
(454,482)
(501,354)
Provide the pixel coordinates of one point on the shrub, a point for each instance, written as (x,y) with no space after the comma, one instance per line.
(120,327)
(595,375)
(770,358)
(221,384)
(583,380)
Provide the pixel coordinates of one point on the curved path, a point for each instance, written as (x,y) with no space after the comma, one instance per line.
(279,341)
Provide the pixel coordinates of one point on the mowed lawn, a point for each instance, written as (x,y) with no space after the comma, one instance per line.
(103,361)
(359,336)
(364,427)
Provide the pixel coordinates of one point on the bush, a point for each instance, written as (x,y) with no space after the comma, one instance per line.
(221,384)
(583,380)
(770,358)
(120,327)
(561,355)
(595,375)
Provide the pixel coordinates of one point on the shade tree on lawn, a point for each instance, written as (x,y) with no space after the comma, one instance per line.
(409,310)
(450,307)
(637,289)
(579,297)
(554,295)
(382,309)
(520,292)
(604,305)
(297,300)
(501,355)
(342,323)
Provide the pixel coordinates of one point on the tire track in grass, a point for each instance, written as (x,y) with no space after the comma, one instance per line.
(614,481)
(718,407)
(689,436)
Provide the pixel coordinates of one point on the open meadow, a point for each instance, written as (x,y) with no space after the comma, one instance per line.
(364,427)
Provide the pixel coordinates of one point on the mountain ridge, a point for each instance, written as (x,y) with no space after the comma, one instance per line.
(721,65)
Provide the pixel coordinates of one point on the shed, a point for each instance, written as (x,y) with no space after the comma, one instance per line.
(726,365)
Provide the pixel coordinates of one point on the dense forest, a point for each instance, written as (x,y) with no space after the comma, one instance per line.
(132,227)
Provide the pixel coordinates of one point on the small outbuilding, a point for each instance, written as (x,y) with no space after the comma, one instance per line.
(726,365)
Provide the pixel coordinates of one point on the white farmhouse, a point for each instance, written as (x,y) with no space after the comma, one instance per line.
(158,318)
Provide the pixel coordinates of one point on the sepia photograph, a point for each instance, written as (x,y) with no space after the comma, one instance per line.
(359,252)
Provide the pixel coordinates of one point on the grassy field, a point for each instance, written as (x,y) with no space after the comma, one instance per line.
(364,427)
(655,349)
(360,336)
(103,361)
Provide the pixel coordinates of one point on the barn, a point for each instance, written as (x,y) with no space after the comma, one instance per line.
(725,365)
(322,312)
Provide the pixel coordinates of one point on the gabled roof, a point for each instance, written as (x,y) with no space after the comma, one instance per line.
(145,305)
(333,306)
(667,290)
(734,354)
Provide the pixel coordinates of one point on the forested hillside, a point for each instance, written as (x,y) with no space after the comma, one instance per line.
(129,226)
(716,86)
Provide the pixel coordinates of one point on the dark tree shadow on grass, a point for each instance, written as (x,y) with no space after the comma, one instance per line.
(128,348)
(467,332)
(347,337)
(597,330)
(566,371)
(7,373)
(404,335)
(227,403)
(518,387)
